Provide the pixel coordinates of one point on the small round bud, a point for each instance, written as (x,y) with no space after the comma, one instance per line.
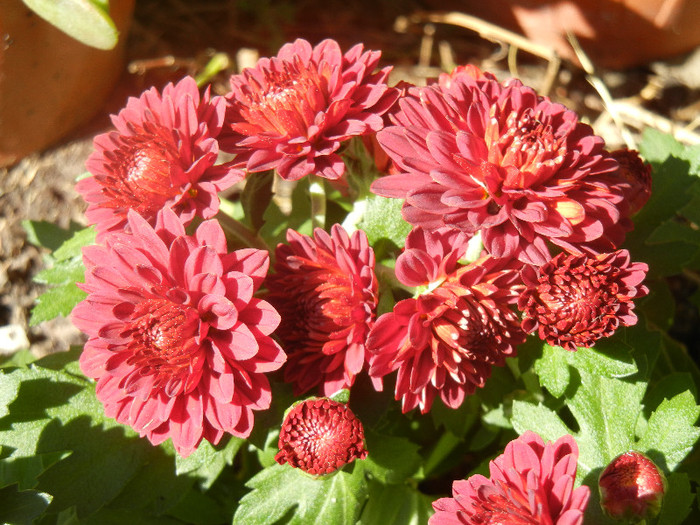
(631,488)
(319,436)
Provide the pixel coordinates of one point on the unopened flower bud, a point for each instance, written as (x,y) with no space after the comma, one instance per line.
(319,436)
(632,488)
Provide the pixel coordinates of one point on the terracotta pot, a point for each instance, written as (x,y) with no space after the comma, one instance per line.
(613,33)
(49,82)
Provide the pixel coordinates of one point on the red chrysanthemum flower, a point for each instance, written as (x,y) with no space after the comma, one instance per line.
(177,342)
(326,292)
(532,483)
(574,300)
(162,154)
(319,436)
(446,340)
(634,177)
(480,155)
(292,112)
(632,488)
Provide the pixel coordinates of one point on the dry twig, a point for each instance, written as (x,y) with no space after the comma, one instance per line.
(492,33)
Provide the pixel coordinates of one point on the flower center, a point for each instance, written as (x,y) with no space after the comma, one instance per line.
(578,298)
(525,143)
(162,342)
(142,173)
(289,99)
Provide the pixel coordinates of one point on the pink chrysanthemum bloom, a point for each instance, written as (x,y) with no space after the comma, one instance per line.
(574,300)
(480,155)
(325,289)
(532,483)
(177,342)
(446,340)
(292,112)
(319,436)
(162,154)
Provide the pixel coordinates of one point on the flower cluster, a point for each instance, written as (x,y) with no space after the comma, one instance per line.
(517,214)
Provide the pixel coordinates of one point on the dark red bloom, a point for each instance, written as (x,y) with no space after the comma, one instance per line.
(445,341)
(162,154)
(632,488)
(634,178)
(319,436)
(532,483)
(480,155)
(574,300)
(326,292)
(292,112)
(177,342)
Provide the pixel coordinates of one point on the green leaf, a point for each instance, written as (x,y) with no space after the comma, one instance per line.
(199,509)
(68,271)
(21,358)
(609,357)
(73,247)
(281,491)
(677,501)
(85,20)
(65,270)
(606,410)
(460,420)
(9,386)
(553,370)
(256,197)
(62,444)
(25,470)
(668,386)
(207,462)
(382,221)
(391,459)
(671,431)
(58,301)
(21,507)
(154,488)
(341,396)
(109,516)
(47,234)
(398,504)
(659,238)
(656,146)
(274,230)
(539,419)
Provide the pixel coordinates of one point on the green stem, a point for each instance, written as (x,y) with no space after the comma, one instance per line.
(317,194)
(241,232)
